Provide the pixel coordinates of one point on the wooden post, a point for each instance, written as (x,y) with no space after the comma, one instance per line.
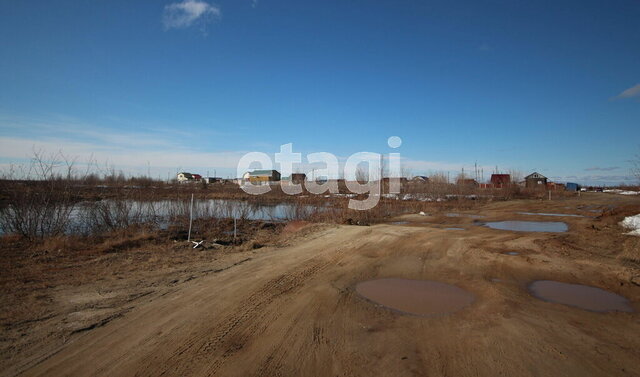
(190,218)
(234,230)
(549,194)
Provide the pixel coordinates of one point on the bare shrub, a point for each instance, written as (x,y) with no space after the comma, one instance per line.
(41,207)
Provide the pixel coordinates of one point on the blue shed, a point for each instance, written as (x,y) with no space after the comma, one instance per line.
(572,186)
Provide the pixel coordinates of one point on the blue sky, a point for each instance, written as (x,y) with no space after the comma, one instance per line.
(192,85)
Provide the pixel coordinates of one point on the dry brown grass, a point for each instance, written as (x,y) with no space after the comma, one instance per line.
(631,250)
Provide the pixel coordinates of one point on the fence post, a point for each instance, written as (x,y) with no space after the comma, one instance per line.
(190,218)
(234,230)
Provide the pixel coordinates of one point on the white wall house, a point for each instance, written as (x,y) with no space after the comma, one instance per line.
(184,176)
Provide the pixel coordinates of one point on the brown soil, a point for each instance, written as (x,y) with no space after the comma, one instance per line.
(290,307)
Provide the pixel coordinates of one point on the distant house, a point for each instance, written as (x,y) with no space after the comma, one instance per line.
(185,177)
(262,176)
(466,182)
(535,180)
(212,179)
(420,178)
(296,178)
(500,180)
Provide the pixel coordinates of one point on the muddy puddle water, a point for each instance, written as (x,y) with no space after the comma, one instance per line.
(529,226)
(454,229)
(418,297)
(400,222)
(579,296)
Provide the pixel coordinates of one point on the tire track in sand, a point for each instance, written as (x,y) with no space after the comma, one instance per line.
(206,351)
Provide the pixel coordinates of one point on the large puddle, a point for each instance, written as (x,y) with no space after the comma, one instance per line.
(579,296)
(529,226)
(418,297)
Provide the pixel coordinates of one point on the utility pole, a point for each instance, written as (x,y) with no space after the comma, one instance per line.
(475,170)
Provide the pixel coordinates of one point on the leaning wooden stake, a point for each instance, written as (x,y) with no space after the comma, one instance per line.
(190,218)
(234,230)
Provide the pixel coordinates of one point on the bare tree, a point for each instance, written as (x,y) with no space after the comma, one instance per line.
(362,175)
(438,178)
(515,175)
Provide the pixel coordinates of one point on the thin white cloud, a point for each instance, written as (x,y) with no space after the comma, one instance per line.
(20,149)
(634,91)
(186,13)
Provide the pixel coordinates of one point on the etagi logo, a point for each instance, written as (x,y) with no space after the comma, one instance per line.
(358,179)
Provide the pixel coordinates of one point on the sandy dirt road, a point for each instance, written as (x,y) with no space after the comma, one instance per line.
(294,310)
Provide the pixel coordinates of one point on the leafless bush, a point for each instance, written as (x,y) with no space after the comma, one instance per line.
(36,212)
(41,207)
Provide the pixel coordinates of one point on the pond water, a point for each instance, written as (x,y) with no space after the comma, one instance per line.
(579,296)
(85,215)
(417,297)
(220,208)
(529,226)
(548,214)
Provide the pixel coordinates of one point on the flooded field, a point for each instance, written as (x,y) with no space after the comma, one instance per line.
(579,296)
(88,216)
(529,226)
(418,297)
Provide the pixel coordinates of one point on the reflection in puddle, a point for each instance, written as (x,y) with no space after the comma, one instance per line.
(400,222)
(529,226)
(512,253)
(454,229)
(579,296)
(548,214)
(419,297)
